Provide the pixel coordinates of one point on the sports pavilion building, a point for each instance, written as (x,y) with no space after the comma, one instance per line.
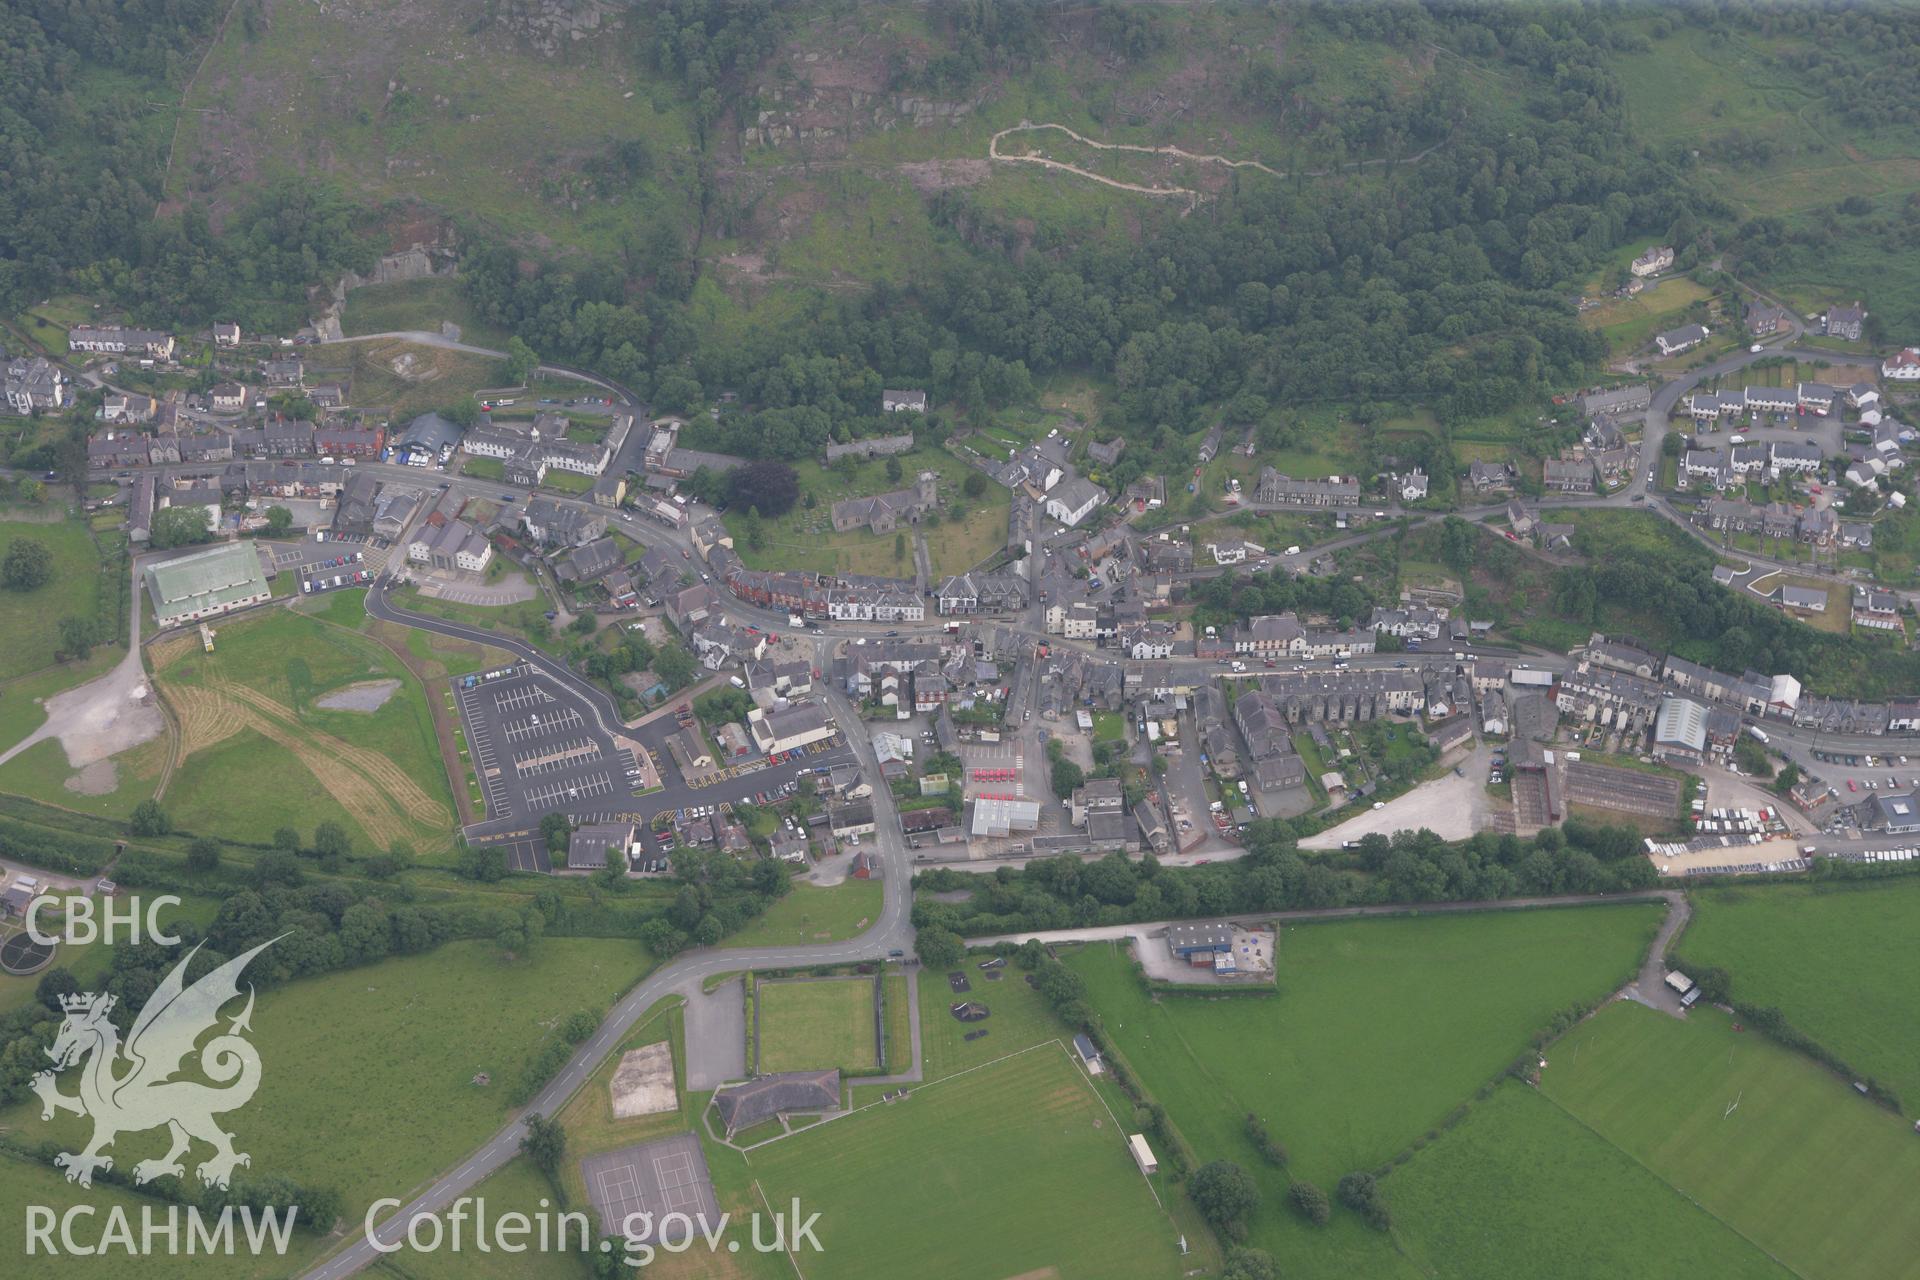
(206,583)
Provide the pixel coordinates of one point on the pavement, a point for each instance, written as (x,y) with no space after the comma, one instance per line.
(716,1036)
(1450,806)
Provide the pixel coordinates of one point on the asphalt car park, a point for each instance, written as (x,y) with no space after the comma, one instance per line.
(535,746)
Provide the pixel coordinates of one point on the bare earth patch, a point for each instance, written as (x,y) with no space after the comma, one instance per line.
(103,717)
(642,1084)
(368,695)
(101,778)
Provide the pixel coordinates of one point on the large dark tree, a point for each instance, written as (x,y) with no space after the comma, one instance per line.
(28,564)
(769,487)
(1225,1194)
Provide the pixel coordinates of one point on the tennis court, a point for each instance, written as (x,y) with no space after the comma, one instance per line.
(635,1190)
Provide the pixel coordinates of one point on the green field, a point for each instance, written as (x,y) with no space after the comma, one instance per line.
(975,1171)
(42,773)
(1523,1189)
(400,119)
(526,618)
(1380,1028)
(434,377)
(418,304)
(805,539)
(1838,960)
(1630,323)
(814,1023)
(250,710)
(31,629)
(519,1187)
(899,1022)
(24,1182)
(813,914)
(367,1074)
(1017,1019)
(1760,1137)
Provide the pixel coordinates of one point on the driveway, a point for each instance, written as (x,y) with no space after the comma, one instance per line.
(1452,807)
(716,1025)
(511,589)
(1650,987)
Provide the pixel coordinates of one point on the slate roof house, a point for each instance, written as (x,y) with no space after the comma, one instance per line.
(554,524)
(742,1106)
(450,544)
(883,513)
(114,340)
(34,384)
(1685,338)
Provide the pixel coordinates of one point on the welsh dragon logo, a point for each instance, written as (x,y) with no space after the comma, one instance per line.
(129,1088)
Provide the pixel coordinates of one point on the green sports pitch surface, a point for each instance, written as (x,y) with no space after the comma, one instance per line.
(1764,1139)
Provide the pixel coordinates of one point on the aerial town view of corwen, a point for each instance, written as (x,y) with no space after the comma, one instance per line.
(975,639)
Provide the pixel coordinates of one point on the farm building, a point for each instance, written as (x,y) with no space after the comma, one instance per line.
(1197,943)
(206,583)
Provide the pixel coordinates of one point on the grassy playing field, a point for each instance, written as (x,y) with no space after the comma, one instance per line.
(813,914)
(974,1171)
(1524,1189)
(1839,961)
(367,1074)
(250,710)
(1762,1138)
(813,1023)
(30,620)
(1380,1029)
